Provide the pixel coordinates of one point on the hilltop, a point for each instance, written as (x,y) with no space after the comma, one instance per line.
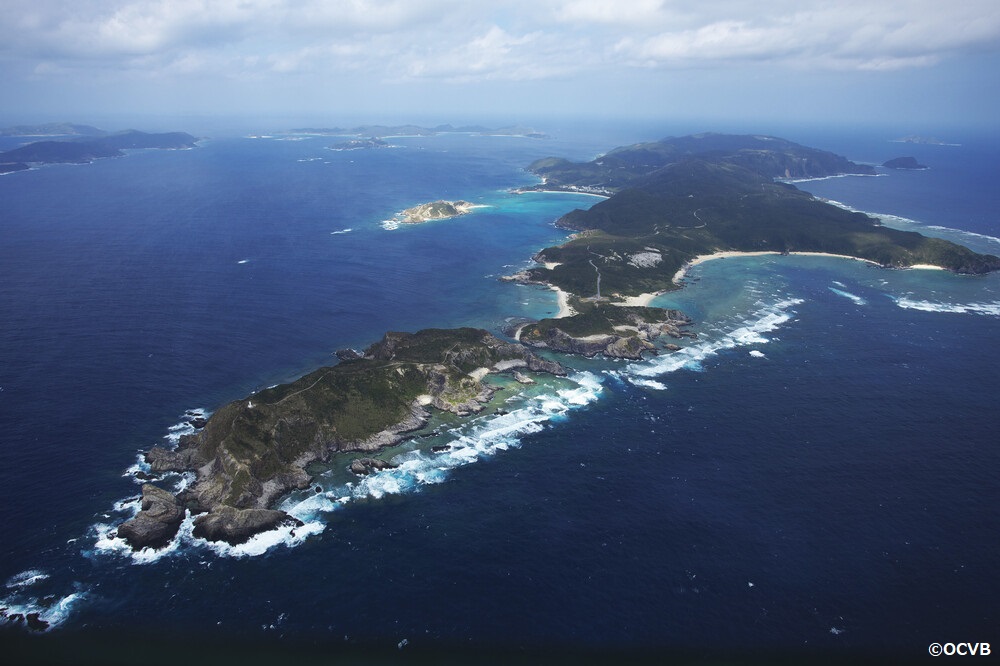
(626,166)
(725,198)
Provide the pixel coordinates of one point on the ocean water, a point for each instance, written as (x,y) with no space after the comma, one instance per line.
(816,472)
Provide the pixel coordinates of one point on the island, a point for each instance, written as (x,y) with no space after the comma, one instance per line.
(360,144)
(923,140)
(714,194)
(622,167)
(52,129)
(417,130)
(670,205)
(86,150)
(903,163)
(435,210)
(252,451)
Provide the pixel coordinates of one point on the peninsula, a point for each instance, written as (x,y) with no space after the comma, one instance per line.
(252,451)
(88,149)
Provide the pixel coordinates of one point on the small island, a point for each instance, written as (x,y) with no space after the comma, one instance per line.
(903,163)
(435,210)
(360,144)
(922,140)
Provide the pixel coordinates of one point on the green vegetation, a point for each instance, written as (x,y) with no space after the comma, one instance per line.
(266,440)
(638,239)
(78,151)
(625,166)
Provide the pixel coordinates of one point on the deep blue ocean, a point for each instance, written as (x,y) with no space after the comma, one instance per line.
(818,473)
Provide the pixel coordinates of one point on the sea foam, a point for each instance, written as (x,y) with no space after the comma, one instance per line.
(848,295)
(991,308)
(751,330)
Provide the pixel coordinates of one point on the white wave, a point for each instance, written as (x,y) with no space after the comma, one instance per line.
(899,221)
(991,308)
(242,261)
(108,542)
(342,231)
(848,295)
(26,578)
(756,353)
(970,234)
(481,437)
(765,320)
(648,383)
(389,225)
(52,613)
(129,505)
(839,175)
(183,427)
(287,534)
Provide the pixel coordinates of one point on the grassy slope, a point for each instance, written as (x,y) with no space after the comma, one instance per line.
(699,207)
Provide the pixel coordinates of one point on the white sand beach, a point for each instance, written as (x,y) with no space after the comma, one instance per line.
(700,259)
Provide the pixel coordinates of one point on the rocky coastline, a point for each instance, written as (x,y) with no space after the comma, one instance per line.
(253,451)
(434,210)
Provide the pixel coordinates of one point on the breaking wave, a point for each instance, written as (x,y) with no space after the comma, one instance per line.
(750,331)
(990,308)
(848,295)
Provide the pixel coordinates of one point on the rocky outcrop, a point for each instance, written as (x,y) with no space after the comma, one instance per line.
(435,210)
(364,466)
(903,163)
(634,331)
(157,522)
(235,526)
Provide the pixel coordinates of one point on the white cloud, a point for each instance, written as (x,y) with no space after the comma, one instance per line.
(460,41)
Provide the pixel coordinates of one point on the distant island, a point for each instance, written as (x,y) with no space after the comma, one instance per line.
(925,140)
(360,144)
(52,129)
(435,210)
(378,131)
(768,156)
(671,204)
(88,148)
(903,163)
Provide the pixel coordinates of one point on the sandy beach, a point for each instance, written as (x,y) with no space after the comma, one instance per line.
(564,309)
(700,259)
(642,300)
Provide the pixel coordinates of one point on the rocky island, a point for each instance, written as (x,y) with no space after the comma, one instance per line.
(252,451)
(435,210)
(903,163)
(360,144)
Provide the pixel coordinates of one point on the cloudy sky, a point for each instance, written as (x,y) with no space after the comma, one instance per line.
(926,61)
